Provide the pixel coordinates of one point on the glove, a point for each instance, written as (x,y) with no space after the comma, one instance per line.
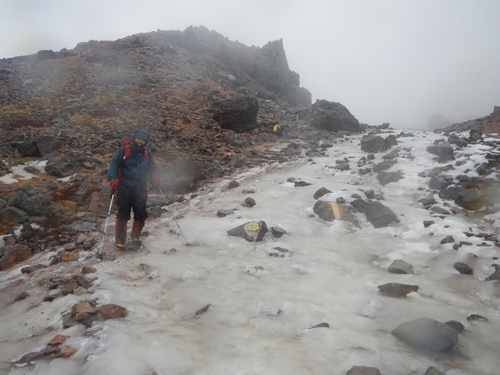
(114,184)
(155,179)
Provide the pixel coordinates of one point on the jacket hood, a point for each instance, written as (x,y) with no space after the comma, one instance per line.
(140,133)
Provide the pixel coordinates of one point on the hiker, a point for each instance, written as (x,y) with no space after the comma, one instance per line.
(131,170)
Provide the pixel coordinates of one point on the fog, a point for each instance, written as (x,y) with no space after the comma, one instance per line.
(397,61)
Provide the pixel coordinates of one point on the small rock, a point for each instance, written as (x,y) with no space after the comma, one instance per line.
(21,296)
(249,202)
(363,370)
(278,232)
(58,340)
(463,268)
(201,311)
(476,318)
(397,290)
(66,352)
(68,257)
(447,239)
(400,267)
(432,371)
(320,192)
(225,212)
(112,311)
(428,223)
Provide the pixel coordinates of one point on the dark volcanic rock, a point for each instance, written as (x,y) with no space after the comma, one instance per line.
(427,334)
(238,114)
(333,117)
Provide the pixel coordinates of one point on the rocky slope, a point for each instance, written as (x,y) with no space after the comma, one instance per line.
(63,114)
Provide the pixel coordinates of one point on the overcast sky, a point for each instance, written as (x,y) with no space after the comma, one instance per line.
(397,61)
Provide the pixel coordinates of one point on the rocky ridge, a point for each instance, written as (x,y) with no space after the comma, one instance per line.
(64,113)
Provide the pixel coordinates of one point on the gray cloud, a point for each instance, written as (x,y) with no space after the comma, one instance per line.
(397,61)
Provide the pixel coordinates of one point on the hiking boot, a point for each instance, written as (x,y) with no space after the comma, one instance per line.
(120,246)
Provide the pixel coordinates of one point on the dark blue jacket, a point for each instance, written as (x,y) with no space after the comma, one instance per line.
(136,170)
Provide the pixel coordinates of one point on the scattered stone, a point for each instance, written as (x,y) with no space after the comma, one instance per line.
(427,334)
(330,211)
(112,311)
(438,183)
(463,268)
(378,214)
(279,252)
(447,239)
(66,352)
(201,311)
(456,325)
(370,194)
(397,290)
(278,232)
(428,223)
(444,151)
(233,184)
(88,269)
(400,267)
(374,144)
(495,275)
(225,212)
(21,296)
(363,370)
(251,231)
(321,325)
(471,200)
(301,183)
(432,371)
(382,166)
(320,192)
(249,202)
(428,200)
(387,177)
(58,340)
(69,257)
(440,210)
(32,268)
(476,318)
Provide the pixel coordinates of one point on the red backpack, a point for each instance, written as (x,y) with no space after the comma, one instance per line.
(125,142)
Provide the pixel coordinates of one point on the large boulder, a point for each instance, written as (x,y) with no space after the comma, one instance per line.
(47,144)
(427,334)
(376,213)
(333,117)
(33,204)
(375,143)
(444,151)
(238,114)
(330,211)
(27,149)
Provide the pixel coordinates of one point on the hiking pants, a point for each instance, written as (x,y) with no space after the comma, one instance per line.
(130,199)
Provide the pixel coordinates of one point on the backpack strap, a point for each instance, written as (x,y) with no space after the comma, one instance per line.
(128,152)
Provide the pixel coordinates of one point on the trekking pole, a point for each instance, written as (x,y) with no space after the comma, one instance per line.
(173,217)
(107,219)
